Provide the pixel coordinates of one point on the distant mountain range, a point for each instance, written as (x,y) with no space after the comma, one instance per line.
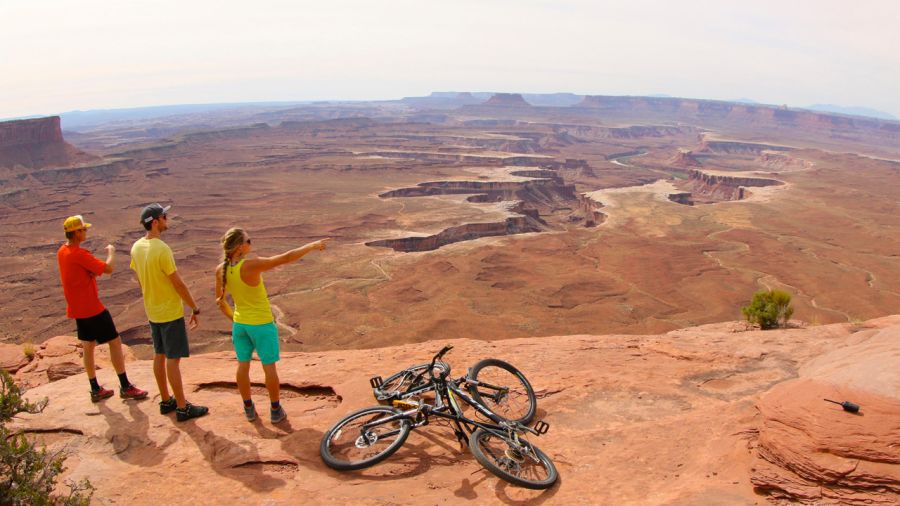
(74,120)
(854,111)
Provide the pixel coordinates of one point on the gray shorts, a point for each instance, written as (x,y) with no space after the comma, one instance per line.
(170,338)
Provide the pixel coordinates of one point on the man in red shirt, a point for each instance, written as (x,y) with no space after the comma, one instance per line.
(78,270)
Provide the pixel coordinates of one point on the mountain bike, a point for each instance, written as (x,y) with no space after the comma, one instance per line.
(410,398)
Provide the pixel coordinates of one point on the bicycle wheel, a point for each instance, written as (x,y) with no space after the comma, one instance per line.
(503,390)
(348,445)
(401,381)
(518,462)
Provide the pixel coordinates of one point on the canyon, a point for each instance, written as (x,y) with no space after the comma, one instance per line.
(570,234)
(465,215)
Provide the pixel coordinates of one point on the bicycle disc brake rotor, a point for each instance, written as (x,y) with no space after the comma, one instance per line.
(366,440)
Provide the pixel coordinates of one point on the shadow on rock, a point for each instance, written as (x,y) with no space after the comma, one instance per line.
(130,440)
(239,461)
(412,459)
(508,493)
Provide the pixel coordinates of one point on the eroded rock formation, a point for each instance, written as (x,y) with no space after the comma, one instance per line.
(684,158)
(812,451)
(588,132)
(781,161)
(547,194)
(36,143)
(512,225)
(746,114)
(738,148)
(507,100)
(685,198)
(705,187)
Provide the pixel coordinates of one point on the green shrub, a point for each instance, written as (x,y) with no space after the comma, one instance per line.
(769,308)
(27,473)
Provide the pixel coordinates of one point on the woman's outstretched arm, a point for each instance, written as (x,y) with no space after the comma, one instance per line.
(255,266)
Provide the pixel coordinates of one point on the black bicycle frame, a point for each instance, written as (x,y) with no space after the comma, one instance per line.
(443,403)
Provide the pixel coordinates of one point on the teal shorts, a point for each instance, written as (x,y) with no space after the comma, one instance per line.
(262,338)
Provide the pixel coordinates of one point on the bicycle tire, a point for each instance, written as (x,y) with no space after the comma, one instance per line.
(518,405)
(519,463)
(344,440)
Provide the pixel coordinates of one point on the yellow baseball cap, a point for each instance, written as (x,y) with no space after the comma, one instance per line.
(73,223)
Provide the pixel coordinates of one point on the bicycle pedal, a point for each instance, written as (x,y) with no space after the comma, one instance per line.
(541,427)
(376,381)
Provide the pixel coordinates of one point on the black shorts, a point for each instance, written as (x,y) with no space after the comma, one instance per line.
(170,338)
(99,328)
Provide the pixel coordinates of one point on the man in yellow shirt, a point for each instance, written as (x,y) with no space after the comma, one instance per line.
(164,290)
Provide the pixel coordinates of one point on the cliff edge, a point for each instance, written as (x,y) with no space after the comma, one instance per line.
(716,414)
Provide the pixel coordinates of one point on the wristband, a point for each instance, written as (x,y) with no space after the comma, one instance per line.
(195,311)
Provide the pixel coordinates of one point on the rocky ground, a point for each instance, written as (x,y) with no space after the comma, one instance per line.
(716,414)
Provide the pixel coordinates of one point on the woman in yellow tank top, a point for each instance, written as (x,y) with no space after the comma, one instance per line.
(253,327)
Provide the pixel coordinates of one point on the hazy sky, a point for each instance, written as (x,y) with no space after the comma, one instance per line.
(62,55)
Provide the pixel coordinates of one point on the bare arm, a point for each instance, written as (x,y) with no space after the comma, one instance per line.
(185,295)
(255,266)
(110,259)
(221,301)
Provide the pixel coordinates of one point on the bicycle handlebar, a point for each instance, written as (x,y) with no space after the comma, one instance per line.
(434,360)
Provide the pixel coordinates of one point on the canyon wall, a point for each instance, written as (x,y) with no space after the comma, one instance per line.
(591,133)
(507,100)
(30,131)
(714,111)
(738,148)
(36,143)
(684,158)
(467,232)
(705,188)
(536,200)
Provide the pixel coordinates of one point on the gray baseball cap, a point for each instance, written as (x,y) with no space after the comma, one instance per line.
(153,212)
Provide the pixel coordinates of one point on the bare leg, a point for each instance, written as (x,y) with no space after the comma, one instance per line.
(88,358)
(272,383)
(159,372)
(173,372)
(243,380)
(116,355)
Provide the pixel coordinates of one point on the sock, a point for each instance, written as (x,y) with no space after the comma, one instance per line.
(123,380)
(94,385)
(248,403)
(276,405)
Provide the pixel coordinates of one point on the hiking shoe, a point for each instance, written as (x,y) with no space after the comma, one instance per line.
(190,411)
(250,412)
(166,407)
(99,395)
(278,414)
(132,392)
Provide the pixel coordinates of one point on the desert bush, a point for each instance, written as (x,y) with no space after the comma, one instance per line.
(28,473)
(769,309)
(29,349)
